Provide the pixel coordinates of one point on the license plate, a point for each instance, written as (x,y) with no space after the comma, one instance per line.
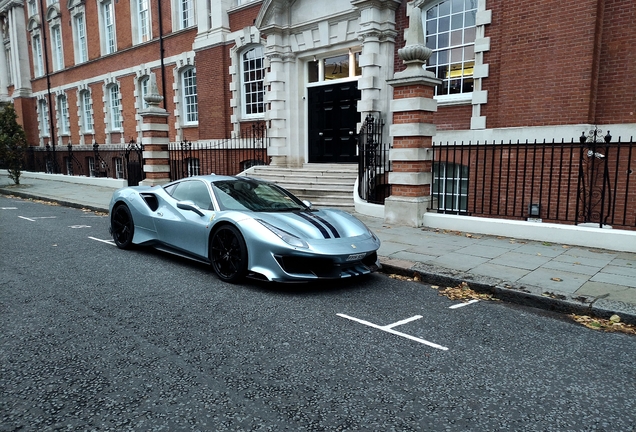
(356,257)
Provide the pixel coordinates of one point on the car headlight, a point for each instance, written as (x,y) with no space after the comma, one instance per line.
(288,238)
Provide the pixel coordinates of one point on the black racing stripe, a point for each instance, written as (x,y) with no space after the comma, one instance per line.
(322,229)
(332,228)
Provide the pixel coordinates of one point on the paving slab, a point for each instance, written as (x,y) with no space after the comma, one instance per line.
(607,291)
(505,273)
(519,260)
(552,280)
(483,251)
(614,279)
(458,261)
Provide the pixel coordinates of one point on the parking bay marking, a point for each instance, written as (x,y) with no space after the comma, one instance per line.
(110,242)
(458,305)
(33,219)
(389,329)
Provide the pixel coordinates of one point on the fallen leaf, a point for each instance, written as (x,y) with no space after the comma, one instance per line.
(557,279)
(464,292)
(565,247)
(615,319)
(603,324)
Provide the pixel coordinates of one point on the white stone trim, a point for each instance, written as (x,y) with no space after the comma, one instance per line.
(410,154)
(155,154)
(412,130)
(413,104)
(411,178)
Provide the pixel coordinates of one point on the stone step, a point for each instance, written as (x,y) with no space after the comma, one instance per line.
(325,185)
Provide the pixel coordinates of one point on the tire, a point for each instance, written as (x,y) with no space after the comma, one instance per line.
(122,227)
(228,254)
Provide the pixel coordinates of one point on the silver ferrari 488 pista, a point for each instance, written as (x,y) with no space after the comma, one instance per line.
(244,227)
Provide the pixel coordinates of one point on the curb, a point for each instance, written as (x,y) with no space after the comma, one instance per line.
(520,295)
(63,203)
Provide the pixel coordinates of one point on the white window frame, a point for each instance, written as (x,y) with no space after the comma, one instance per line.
(114,108)
(189,98)
(38,62)
(62,112)
(91,166)
(57,47)
(86,112)
(108,31)
(252,75)
(458,179)
(186,14)
(141,21)
(119,168)
(79,36)
(43,108)
(144,88)
(453,49)
(33,8)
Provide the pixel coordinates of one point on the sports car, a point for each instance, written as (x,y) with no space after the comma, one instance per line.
(244,227)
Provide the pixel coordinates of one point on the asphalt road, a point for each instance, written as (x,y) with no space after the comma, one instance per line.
(95,338)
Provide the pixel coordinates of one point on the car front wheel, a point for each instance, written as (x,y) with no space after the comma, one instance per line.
(228,254)
(122,227)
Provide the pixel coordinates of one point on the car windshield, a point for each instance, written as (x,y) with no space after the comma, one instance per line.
(246,194)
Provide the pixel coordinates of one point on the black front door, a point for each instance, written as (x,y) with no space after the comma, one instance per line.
(333,117)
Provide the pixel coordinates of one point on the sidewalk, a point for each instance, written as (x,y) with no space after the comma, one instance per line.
(540,274)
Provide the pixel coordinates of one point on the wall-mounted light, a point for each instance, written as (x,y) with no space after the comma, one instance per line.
(315,59)
(534,210)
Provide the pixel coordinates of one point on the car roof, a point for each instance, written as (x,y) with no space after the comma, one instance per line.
(215,178)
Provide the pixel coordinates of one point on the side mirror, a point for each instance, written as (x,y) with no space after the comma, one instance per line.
(190,206)
(307,203)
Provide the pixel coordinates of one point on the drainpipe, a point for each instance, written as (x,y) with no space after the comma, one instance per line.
(48,84)
(161,53)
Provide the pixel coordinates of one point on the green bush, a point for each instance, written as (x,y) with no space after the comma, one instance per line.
(12,143)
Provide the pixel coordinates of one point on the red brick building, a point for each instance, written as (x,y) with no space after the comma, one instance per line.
(77,71)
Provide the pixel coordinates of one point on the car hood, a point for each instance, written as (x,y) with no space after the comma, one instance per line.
(316,224)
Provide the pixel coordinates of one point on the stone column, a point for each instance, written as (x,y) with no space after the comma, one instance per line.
(154,133)
(277,54)
(412,130)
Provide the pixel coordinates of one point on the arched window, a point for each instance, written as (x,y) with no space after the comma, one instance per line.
(189,96)
(253,75)
(450,31)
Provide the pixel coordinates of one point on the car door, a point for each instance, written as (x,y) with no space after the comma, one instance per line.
(186,230)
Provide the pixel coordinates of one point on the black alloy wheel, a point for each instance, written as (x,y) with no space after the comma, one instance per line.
(228,254)
(122,226)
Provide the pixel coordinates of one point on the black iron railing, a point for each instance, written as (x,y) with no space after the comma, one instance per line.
(589,181)
(227,157)
(374,164)
(106,160)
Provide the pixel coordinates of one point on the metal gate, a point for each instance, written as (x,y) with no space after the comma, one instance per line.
(373,163)
(594,191)
(134,161)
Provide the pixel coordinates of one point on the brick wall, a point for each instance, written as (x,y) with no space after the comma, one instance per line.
(244,17)
(541,62)
(616,102)
(214,92)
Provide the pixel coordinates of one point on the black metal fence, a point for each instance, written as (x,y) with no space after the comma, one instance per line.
(113,161)
(374,164)
(225,157)
(589,181)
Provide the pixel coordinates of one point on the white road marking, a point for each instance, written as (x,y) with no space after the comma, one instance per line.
(8,208)
(79,226)
(389,329)
(405,321)
(23,217)
(458,305)
(45,217)
(110,242)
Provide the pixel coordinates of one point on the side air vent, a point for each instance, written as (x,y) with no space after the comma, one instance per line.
(151,201)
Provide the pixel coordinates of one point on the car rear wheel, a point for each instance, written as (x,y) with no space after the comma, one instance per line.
(122,227)
(228,254)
